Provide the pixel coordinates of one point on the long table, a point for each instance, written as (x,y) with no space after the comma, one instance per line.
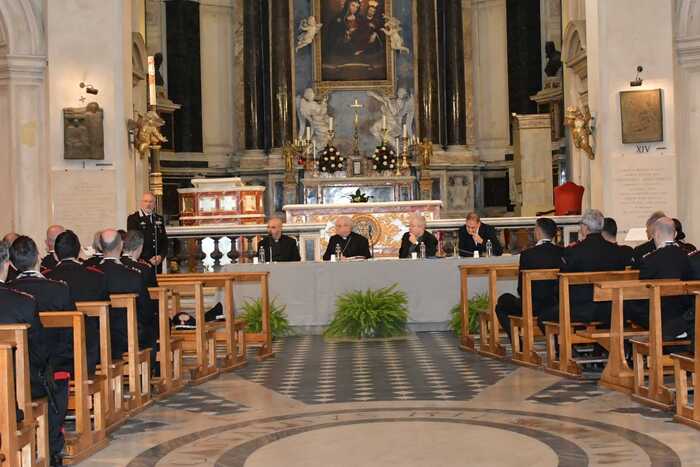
(309,289)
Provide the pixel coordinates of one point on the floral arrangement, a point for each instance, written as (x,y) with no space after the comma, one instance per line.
(384,158)
(330,160)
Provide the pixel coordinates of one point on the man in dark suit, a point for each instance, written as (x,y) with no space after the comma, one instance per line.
(49,296)
(474,235)
(96,257)
(277,246)
(349,243)
(545,295)
(649,245)
(131,257)
(593,253)
(151,225)
(122,279)
(411,240)
(49,261)
(609,233)
(666,261)
(86,284)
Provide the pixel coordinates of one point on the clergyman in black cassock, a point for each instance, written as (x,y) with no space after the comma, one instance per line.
(277,246)
(411,240)
(474,235)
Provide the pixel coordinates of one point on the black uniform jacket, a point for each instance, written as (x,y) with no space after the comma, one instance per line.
(155,240)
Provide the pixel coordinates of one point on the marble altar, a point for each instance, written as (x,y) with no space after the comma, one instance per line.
(337,190)
(221,201)
(383,222)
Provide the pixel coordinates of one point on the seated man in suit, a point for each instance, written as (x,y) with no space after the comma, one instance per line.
(474,236)
(666,261)
(411,240)
(122,279)
(277,246)
(545,295)
(49,296)
(86,284)
(96,257)
(649,245)
(131,256)
(349,243)
(49,261)
(609,233)
(591,254)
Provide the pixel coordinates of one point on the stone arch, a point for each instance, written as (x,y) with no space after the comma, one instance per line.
(21,28)
(574,53)
(687,20)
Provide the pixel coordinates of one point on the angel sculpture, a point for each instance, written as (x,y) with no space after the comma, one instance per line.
(149,134)
(578,122)
(396,111)
(308,28)
(392,29)
(315,115)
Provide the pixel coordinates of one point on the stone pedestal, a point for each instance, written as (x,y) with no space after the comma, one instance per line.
(532,163)
(426,186)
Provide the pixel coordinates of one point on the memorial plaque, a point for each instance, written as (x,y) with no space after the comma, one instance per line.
(642,116)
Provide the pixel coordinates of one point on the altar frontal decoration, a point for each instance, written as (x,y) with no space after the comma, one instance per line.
(384,158)
(331,160)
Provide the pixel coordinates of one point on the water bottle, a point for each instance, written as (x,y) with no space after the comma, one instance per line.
(489,248)
(338,252)
(261,255)
(421,250)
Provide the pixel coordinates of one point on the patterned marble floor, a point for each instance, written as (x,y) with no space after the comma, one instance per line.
(417,401)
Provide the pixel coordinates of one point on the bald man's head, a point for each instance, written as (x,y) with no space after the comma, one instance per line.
(111,243)
(274,227)
(10,237)
(148,202)
(664,231)
(51,233)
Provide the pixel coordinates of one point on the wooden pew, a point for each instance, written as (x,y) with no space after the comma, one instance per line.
(489,344)
(563,330)
(683,366)
(656,393)
(116,410)
(138,368)
(232,334)
(170,349)
(523,327)
(89,436)
(27,442)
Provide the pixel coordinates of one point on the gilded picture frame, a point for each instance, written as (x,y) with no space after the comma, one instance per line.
(345,60)
(641,114)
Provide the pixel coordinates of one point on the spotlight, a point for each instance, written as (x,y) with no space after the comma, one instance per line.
(89,88)
(638,80)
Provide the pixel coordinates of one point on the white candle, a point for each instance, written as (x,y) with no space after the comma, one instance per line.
(397,143)
(330,123)
(356,103)
(308,133)
(404,131)
(314,150)
(383,122)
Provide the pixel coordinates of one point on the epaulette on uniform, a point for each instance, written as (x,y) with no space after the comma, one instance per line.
(93,269)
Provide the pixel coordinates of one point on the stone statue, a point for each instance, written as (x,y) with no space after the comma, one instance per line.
(578,121)
(314,114)
(149,134)
(553,59)
(308,28)
(83,132)
(392,29)
(398,111)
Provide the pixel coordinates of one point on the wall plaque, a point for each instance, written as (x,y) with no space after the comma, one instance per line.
(642,116)
(83,132)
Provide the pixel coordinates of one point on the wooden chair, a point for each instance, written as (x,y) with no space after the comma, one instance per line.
(650,351)
(489,344)
(85,392)
(25,443)
(523,327)
(115,407)
(685,365)
(563,330)
(170,351)
(138,368)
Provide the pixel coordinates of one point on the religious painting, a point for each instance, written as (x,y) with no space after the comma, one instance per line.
(83,132)
(352,49)
(642,116)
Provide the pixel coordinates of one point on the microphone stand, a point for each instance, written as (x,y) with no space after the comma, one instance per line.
(371,243)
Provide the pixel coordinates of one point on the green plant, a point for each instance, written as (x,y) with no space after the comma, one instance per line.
(252,314)
(372,313)
(477,303)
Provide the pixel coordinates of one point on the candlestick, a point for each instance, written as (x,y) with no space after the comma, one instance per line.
(330,123)
(404,131)
(314,150)
(308,133)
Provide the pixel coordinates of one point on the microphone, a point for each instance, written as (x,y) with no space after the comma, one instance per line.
(371,243)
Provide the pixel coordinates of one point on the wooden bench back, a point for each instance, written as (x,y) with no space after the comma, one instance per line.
(100,310)
(15,335)
(8,418)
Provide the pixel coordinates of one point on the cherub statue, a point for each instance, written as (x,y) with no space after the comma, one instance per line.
(578,121)
(426,152)
(308,28)
(392,29)
(314,114)
(149,134)
(398,111)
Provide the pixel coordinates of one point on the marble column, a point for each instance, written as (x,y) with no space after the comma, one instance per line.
(254,42)
(281,74)
(427,67)
(454,100)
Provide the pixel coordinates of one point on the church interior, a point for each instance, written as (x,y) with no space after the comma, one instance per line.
(337,232)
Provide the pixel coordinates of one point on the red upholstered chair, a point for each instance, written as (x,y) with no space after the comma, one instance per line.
(567,200)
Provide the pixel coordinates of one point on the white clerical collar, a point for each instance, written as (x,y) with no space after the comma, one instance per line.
(145,214)
(543,241)
(69,260)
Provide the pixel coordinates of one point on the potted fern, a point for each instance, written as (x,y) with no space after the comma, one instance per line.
(374,313)
(477,304)
(252,314)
